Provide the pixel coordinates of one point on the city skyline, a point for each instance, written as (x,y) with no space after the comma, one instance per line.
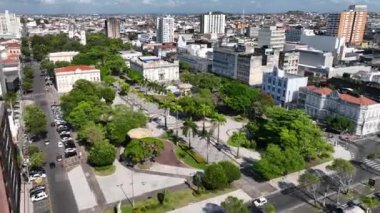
(177,6)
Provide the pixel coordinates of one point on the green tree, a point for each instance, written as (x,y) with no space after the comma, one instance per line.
(184,66)
(123,120)
(26,85)
(84,112)
(276,162)
(231,170)
(135,76)
(33,149)
(215,177)
(37,159)
(219,119)
(139,150)
(166,104)
(35,119)
(11,98)
(344,170)
(177,109)
(234,205)
(204,111)
(102,154)
(197,180)
(92,133)
(124,89)
(189,129)
(238,97)
(310,182)
(239,139)
(339,123)
(108,94)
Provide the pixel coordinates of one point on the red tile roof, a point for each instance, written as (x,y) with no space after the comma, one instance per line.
(361,100)
(13,45)
(74,68)
(319,90)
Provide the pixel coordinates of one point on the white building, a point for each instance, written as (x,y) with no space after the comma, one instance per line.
(213,23)
(251,67)
(155,69)
(165,29)
(322,102)
(62,56)
(332,44)
(272,37)
(288,61)
(282,87)
(66,77)
(129,55)
(10,25)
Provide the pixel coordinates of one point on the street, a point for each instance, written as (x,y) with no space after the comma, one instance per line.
(60,192)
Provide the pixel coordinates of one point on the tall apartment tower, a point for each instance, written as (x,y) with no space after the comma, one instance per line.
(10,25)
(213,23)
(348,24)
(112,28)
(165,29)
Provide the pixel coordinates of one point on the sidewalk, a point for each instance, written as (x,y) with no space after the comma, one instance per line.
(212,204)
(173,170)
(26,204)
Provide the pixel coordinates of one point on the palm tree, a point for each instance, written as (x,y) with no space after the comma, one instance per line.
(165,104)
(219,119)
(189,128)
(204,110)
(207,135)
(177,109)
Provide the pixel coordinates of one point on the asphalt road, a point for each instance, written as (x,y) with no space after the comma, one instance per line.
(288,199)
(60,192)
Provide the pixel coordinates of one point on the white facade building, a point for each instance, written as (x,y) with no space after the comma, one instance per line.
(62,56)
(322,102)
(155,69)
(271,37)
(67,76)
(213,23)
(10,25)
(282,87)
(129,55)
(165,29)
(288,61)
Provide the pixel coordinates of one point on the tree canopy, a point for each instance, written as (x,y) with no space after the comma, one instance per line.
(215,177)
(234,205)
(102,154)
(238,97)
(35,119)
(339,123)
(139,150)
(92,133)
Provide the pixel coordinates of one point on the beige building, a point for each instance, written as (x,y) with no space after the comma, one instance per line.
(348,24)
(66,77)
(112,28)
(155,69)
(288,61)
(62,56)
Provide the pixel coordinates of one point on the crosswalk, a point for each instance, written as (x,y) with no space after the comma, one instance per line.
(372,164)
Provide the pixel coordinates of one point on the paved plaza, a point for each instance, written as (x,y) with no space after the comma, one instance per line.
(83,194)
(212,204)
(118,186)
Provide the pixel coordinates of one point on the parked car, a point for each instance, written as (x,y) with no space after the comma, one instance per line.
(37,188)
(52,165)
(377,195)
(36,175)
(70,150)
(52,124)
(39,196)
(65,133)
(260,201)
(65,139)
(70,154)
(59,158)
(60,144)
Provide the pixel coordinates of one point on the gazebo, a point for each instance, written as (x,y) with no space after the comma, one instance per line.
(185,88)
(139,133)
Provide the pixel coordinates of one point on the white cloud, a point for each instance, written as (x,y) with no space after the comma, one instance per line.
(148,2)
(48,1)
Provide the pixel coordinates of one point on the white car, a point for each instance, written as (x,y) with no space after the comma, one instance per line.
(60,144)
(37,175)
(39,196)
(67,139)
(70,149)
(260,201)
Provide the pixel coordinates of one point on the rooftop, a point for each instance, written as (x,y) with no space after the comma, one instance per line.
(75,68)
(63,53)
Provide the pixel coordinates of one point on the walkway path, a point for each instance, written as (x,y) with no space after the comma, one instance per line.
(83,194)
(212,204)
(173,170)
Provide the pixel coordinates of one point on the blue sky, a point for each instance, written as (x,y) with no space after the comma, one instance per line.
(178,6)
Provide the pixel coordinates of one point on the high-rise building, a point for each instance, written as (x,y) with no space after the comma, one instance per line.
(10,25)
(271,37)
(165,29)
(112,28)
(10,178)
(288,61)
(213,23)
(348,24)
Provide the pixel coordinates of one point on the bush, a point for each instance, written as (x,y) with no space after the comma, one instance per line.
(215,177)
(231,170)
(102,154)
(269,208)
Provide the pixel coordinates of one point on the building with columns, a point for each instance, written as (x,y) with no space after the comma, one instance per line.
(66,77)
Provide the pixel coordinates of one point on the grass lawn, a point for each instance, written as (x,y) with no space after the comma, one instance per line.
(105,170)
(190,157)
(173,200)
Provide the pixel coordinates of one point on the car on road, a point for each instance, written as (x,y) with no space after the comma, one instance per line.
(37,188)
(39,196)
(52,124)
(70,154)
(65,133)
(260,201)
(52,165)
(65,139)
(70,150)
(70,145)
(62,129)
(377,195)
(59,158)
(60,144)
(46,142)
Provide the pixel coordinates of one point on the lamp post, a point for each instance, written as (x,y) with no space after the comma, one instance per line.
(121,187)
